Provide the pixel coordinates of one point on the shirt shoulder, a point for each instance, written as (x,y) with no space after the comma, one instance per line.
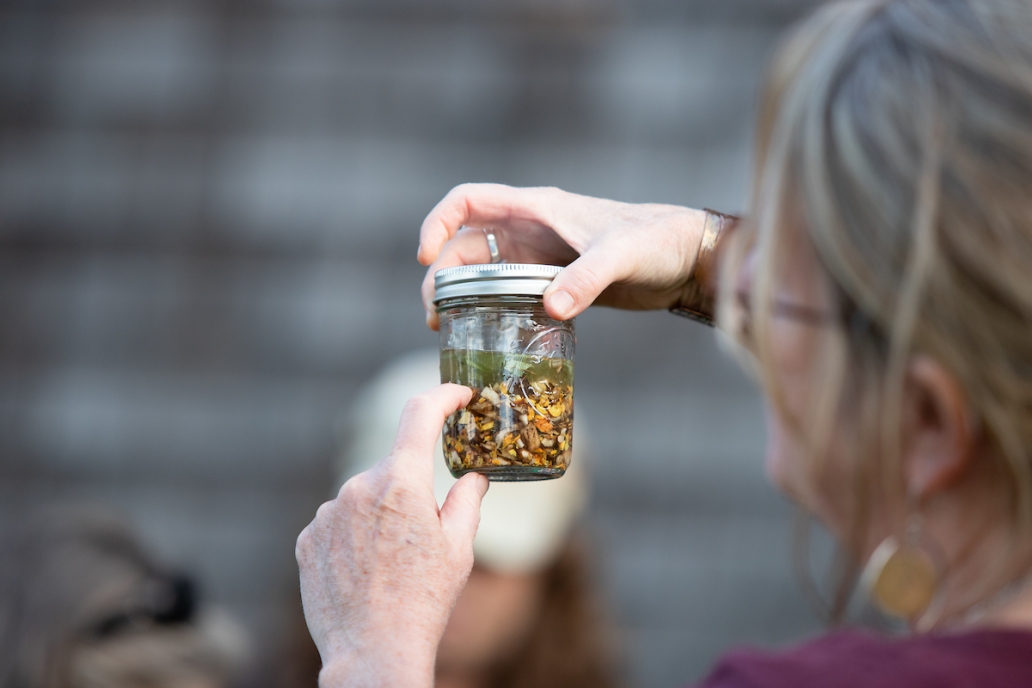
(851,659)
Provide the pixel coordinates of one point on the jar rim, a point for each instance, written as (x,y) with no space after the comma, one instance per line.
(494,279)
(491,300)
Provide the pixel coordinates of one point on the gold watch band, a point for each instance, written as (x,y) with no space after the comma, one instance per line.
(699,300)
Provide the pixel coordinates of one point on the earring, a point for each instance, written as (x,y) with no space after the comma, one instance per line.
(903,577)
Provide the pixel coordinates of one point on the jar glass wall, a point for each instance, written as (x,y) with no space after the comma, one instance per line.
(519,363)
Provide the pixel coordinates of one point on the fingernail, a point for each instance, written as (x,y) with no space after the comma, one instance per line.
(562,302)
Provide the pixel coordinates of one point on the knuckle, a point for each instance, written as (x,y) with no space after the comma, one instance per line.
(461,190)
(397,495)
(324,512)
(586,280)
(303,546)
(359,494)
(350,487)
(353,489)
(551,197)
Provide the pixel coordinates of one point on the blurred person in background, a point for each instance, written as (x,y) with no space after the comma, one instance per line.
(82,605)
(881,289)
(528,617)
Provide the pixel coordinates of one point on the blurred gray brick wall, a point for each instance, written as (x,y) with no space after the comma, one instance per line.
(208,220)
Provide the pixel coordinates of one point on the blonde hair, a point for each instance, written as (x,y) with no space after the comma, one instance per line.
(897,136)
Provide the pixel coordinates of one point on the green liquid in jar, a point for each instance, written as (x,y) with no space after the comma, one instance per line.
(480,368)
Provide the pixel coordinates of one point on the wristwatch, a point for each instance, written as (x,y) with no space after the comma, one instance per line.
(699,300)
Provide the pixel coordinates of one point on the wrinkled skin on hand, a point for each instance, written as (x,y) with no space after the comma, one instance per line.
(381,567)
(627,255)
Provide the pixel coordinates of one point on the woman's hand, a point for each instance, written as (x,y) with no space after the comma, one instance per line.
(635,256)
(381,567)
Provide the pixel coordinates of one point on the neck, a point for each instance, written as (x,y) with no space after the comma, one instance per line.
(987,567)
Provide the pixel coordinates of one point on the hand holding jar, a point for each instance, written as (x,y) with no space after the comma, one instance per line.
(625,255)
(381,567)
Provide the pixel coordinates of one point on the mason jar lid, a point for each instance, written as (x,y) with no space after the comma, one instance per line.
(493,279)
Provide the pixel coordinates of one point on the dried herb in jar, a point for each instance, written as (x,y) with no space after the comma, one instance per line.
(521,413)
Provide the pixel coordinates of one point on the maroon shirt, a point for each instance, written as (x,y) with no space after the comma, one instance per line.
(853,659)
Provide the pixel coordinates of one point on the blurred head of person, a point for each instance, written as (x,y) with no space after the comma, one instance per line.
(82,605)
(883,284)
(529,615)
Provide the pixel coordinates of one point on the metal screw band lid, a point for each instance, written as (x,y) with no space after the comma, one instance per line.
(496,279)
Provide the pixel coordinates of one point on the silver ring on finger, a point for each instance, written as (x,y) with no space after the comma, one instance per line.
(492,245)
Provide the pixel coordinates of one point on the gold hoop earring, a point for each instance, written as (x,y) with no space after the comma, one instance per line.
(903,576)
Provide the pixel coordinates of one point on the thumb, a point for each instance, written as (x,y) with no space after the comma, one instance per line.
(460,513)
(580,283)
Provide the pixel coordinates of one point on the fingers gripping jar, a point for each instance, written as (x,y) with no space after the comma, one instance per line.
(497,339)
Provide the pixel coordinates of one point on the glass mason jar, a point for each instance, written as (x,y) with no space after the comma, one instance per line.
(497,339)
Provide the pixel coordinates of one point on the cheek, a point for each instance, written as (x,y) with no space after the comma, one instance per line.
(810,481)
(819,491)
(784,458)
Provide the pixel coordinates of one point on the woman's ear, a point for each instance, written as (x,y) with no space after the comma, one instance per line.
(938,430)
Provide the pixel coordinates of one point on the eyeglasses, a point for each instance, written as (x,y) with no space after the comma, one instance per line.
(806,315)
(848,315)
